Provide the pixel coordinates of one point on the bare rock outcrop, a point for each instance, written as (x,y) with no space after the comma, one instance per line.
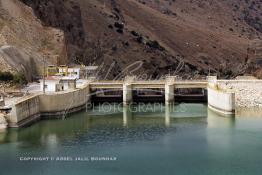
(24,41)
(248,94)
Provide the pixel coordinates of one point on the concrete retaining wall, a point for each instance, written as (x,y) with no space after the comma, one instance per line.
(59,103)
(35,107)
(221,102)
(24,112)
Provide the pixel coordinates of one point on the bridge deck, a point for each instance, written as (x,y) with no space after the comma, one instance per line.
(147,84)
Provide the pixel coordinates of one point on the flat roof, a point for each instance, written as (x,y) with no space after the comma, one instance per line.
(68,78)
(52,78)
(91,67)
(57,78)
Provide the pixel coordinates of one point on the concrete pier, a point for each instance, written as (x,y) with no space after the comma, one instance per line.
(169,93)
(127,93)
(221,101)
(170,89)
(127,89)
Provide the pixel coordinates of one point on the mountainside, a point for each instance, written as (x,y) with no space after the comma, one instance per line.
(24,41)
(160,36)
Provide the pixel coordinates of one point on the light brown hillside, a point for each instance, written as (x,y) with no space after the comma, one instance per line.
(24,41)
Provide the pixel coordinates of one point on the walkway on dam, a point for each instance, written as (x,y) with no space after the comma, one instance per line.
(154,84)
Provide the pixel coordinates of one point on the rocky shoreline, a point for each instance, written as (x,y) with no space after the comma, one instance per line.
(248,94)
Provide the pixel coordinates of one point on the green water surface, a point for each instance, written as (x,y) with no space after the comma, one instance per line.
(187,139)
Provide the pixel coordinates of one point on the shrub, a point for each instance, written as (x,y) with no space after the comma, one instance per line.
(155,45)
(6,76)
(119,25)
(19,78)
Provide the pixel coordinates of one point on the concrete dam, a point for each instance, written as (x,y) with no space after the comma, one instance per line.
(50,105)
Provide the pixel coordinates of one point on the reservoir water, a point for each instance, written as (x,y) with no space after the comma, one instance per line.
(182,139)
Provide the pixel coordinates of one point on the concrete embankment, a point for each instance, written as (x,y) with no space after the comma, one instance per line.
(221,101)
(62,103)
(24,111)
(37,106)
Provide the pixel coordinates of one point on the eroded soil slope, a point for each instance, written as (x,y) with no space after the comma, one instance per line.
(185,36)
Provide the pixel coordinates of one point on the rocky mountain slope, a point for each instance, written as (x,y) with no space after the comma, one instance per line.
(24,41)
(161,36)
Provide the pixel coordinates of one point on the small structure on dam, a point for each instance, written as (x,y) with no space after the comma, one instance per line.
(58,83)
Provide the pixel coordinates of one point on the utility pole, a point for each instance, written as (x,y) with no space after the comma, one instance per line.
(2,97)
(44,75)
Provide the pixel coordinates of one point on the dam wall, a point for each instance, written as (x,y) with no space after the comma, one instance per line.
(221,101)
(37,106)
(24,111)
(63,102)
(51,105)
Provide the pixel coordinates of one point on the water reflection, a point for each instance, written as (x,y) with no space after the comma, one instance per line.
(184,134)
(52,132)
(234,138)
(219,121)
(249,112)
(127,114)
(167,115)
